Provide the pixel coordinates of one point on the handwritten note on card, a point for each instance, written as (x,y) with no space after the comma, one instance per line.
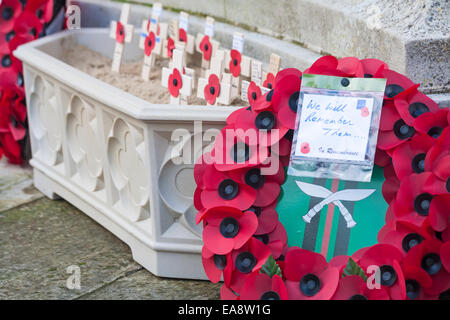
(334,127)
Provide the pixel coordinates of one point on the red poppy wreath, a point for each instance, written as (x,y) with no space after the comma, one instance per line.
(245,244)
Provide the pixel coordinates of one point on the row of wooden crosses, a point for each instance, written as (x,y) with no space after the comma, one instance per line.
(172,40)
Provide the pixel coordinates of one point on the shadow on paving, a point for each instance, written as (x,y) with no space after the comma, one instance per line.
(41,239)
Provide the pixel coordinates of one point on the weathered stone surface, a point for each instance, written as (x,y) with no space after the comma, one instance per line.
(412,36)
(143,285)
(16,185)
(41,239)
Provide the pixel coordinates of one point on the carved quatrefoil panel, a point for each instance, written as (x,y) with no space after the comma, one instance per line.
(83,144)
(176,180)
(126,151)
(46,129)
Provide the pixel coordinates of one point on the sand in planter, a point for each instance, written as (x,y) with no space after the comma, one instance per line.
(129,79)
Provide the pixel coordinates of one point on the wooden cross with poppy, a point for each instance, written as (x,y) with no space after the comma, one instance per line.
(179,37)
(152,36)
(122,32)
(215,87)
(205,44)
(175,79)
(238,64)
(261,81)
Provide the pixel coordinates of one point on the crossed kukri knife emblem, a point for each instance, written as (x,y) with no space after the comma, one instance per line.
(332,197)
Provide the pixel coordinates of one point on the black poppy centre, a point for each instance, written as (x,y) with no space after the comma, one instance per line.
(388,276)
(431,263)
(228,189)
(402,130)
(310,285)
(422,203)
(411,240)
(240,152)
(265,121)
(229,227)
(418,163)
(392,90)
(270,295)
(220,261)
(245,262)
(254,179)
(417,108)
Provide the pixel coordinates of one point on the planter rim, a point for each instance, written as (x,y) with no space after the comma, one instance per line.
(116,98)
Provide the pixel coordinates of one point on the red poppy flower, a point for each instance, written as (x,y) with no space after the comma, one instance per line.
(170,47)
(227,294)
(438,158)
(235,63)
(388,259)
(402,235)
(11,148)
(175,83)
(262,125)
(253,93)
(413,105)
(432,123)
(308,276)
(263,102)
(9,11)
(390,188)
(351,66)
(212,89)
(326,65)
(409,157)
(413,199)
(267,218)
(249,258)
(228,228)
(28,23)
(182,35)
(259,286)
(120,32)
(283,147)
(267,187)
(215,265)
(397,85)
(43,9)
(149,44)
(275,240)
(206,48)
(440,212)
(221,189)
(355,288)
(416,280)
(285,96)
(432,257)
(372,66)
(304,147)
(231,152)
(382,159)
(270,80)
(393,129)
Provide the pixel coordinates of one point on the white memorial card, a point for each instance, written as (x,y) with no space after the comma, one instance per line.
(334,127)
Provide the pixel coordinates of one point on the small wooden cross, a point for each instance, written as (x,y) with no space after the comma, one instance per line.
(179,84)
(122,32)
(153,35)
(205,44)
(261,78)
(238,64)
(215,87)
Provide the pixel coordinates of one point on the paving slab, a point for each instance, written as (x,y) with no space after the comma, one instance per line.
(16,185)
(40,240)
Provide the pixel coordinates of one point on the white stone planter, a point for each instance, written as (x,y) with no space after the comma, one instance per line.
(110,153)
